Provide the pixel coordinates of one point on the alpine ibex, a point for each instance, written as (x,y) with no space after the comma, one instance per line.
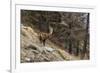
(43,36)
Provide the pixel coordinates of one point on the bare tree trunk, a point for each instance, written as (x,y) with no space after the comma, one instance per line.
(85,40)
(84,49)
(77,49)
(70,39)
(70,46)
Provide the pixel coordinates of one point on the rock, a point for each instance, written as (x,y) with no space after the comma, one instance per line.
(49,49)
(27,59)
(33,51)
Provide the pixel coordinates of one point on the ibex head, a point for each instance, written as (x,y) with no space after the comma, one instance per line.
(44,36)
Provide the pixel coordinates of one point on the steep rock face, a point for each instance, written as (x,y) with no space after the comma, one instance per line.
(33,51)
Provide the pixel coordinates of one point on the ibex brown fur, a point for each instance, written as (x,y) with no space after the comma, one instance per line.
(43,36)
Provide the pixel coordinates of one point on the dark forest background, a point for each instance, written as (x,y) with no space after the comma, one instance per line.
(71,29)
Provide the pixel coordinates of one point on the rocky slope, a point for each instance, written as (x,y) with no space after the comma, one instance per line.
(33,51)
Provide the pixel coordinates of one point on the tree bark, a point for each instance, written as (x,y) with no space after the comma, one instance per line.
(70,39)
(77,49)
(86,38)
(70,46)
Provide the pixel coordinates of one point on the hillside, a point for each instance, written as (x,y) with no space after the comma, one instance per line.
(54,36)
(33,51)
